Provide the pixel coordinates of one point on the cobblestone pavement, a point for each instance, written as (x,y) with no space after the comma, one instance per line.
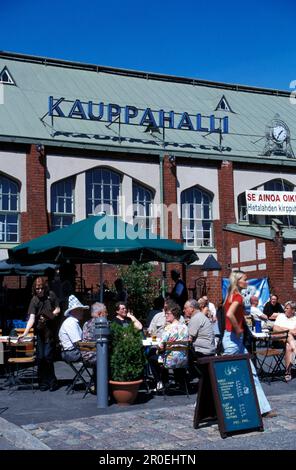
(45,420)
(165,428)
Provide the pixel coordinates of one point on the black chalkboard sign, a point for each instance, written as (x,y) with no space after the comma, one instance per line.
(227,391)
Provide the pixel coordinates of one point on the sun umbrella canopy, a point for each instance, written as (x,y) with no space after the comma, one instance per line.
(101,238)
(15,269)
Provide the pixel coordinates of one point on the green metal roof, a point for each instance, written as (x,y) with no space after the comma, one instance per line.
(289,234)
(23,114)
(251,230)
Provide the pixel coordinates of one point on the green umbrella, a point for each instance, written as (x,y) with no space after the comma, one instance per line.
(101,238)
(11,269)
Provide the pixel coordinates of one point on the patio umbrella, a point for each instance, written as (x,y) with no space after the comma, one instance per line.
(16,269)
(101,238)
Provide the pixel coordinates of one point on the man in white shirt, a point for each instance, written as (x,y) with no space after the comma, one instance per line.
(255,311)
(70,332)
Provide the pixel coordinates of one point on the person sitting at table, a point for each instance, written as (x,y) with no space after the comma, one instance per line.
(98,310)
(159,321)
(255,311)
(212,309)
(125,317)
(158,305)
(272,308)
(287,321)
(200,330)
(70,332)
(174,331)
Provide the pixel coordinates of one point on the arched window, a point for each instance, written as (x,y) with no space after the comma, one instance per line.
(62,203)
(102,191)
(9,210)
(197,224)
(272,185)
(142,206)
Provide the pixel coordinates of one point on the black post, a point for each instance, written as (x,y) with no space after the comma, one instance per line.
(102,332)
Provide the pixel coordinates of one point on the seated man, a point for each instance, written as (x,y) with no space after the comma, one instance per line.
(158,305)
(200,329)
(98,310)
(257,314)
(70,332)
(124,317)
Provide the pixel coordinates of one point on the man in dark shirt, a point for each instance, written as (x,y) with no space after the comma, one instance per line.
(273,307)
(179,293)
(124,318)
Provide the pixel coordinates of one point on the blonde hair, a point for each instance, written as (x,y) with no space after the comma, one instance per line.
(234,277)
(291,303)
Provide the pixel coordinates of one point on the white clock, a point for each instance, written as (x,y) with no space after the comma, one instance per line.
(279,133)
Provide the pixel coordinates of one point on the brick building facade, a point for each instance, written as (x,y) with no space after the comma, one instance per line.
(75,136)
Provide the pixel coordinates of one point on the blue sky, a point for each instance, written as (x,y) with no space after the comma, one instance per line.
(250,42)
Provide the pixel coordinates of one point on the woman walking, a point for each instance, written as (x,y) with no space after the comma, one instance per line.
(234,329)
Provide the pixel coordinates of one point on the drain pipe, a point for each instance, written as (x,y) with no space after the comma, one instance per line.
(161,198)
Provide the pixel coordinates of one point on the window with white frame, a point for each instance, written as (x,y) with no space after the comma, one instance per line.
(9,210)
(102,191)
(272,185)
(142,207)
(62,203)
(197,223)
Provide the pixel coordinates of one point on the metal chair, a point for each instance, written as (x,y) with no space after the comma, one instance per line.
(22,362)
(79,368)
(270,359)
(171,347)
(88,347)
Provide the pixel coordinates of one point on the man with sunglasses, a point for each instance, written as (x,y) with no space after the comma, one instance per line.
(43,310)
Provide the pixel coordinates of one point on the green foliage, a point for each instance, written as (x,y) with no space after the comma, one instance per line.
(142,286)
(127,358)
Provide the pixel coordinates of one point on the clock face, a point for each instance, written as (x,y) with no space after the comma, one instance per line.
(279,133)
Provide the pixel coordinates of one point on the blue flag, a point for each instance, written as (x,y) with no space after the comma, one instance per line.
(258,287)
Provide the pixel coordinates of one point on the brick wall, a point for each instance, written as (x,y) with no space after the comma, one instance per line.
(34,222)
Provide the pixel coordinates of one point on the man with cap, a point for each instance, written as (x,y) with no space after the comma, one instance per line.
(70,332)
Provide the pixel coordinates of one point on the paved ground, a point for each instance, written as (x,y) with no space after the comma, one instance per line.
(55,420)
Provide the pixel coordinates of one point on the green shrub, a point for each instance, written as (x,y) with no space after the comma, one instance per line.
(142,286)
(127,358)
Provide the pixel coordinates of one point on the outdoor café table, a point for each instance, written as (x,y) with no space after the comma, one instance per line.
(3,341)
(148,342)
(14,348)
(259,339)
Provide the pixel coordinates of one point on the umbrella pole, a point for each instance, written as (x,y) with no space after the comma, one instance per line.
(101,282)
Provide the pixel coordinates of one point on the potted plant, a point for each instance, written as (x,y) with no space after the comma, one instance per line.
(127,362)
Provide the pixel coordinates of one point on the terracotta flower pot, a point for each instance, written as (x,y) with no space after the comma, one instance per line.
(125,393)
